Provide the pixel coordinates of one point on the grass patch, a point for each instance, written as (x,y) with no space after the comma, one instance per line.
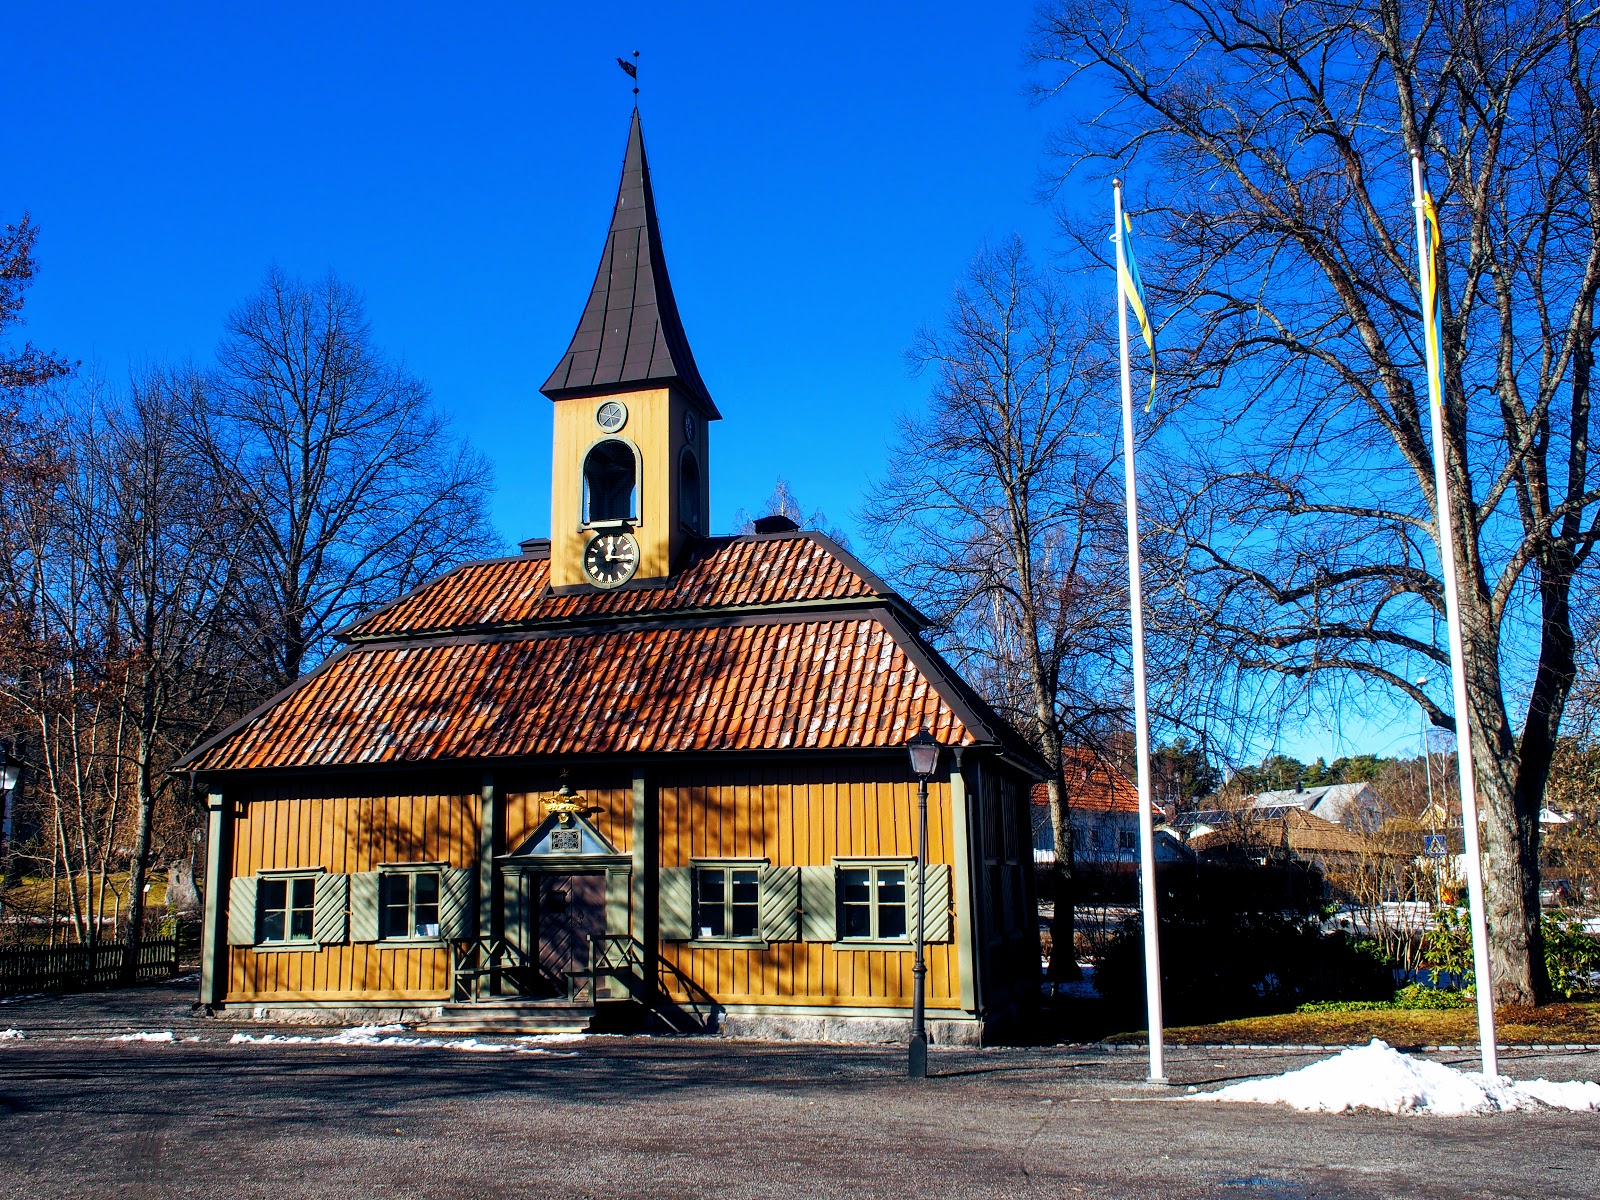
(1576,1021)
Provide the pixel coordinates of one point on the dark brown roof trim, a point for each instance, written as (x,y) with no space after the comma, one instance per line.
(687,759)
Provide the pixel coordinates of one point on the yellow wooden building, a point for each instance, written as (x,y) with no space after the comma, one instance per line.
(635,775)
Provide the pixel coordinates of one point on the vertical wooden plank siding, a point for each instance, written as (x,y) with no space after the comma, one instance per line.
(346,826)
(797,815)
(611,792)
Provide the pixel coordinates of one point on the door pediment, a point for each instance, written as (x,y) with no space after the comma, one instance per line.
(574,838)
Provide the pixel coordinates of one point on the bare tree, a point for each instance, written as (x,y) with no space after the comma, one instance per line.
(353,487)
(998,514)
(1274,137)
(784,503)
(164,548)
(27,366)
(120,560)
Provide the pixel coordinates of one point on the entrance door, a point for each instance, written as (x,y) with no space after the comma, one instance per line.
(571,909)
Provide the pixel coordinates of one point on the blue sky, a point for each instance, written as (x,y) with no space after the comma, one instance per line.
(824,173)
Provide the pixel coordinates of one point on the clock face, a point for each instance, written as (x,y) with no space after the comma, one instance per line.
(611,416)
(610,559)
(688,426)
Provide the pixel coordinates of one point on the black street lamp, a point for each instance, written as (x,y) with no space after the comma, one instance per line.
(924,752)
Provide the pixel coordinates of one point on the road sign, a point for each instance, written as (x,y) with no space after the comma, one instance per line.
(1433,845)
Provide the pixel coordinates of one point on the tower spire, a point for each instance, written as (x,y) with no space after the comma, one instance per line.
(630,336)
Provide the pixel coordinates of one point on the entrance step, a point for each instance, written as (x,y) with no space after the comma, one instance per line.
(512,1017)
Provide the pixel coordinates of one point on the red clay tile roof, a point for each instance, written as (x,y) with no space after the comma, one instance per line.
(720,573)
(1092,783)
(771,685)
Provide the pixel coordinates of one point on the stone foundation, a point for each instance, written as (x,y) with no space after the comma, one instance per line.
(862,1030)
(291,1014)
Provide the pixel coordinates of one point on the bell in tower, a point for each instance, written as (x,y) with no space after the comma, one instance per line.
(630,469)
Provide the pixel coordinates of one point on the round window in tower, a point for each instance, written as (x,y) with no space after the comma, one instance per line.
(611,416)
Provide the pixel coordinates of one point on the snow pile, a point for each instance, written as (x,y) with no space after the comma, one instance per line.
(380,1035)
(1379,1076)
(164,1036)
(550,1038)
(10,1035)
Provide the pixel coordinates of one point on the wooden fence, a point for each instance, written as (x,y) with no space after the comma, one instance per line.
(81,968)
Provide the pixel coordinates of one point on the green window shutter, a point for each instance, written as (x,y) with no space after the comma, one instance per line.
(242,911)
(364,907)
(677,904)
(937,893)
(330,920)
(458,894)
(819,910)
(780,903)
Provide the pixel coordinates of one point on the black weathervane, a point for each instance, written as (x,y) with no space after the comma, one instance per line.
(632,69)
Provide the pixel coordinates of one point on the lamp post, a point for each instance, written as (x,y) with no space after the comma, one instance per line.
(924,752)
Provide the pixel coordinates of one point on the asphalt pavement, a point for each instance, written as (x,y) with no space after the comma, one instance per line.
(83,1115)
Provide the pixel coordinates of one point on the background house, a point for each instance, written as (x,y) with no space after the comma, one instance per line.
(1105,816)
(1354,805)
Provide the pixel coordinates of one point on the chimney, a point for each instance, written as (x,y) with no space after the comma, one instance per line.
(776,523)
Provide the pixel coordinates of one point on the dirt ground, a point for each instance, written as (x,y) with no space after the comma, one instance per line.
(83,1115)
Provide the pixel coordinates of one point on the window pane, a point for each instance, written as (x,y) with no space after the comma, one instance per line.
(858,920)
(304,893)
(426,911)
(892,902)
(711,886)
(427,889)
(271,893)
(710,919)
(745,888)
(300,924)
(396,889)
(272,925)
(892,921)
(856,885)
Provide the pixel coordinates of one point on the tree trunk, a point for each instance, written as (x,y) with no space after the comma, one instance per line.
(139,861)
(1064,924)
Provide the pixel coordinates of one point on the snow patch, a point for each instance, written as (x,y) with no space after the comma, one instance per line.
(385,1035)
(164,1036)
(552,1038)
(1380,1077)
(11,1035)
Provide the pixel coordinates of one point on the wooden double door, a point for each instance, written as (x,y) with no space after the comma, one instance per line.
(551,919)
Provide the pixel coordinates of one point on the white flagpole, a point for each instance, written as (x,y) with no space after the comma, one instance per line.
(1458,666)
(1141,716)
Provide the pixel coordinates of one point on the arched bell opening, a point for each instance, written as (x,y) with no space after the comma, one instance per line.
(689,514)
(610,482)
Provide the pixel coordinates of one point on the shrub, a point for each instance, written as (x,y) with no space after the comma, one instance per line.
(1224,954)
(1571,956)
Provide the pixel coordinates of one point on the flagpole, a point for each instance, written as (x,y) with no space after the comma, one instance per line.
(1434,352)
(1141,716)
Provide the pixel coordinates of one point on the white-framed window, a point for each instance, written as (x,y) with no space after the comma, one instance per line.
(1127,839)
(408,904)
(285,909)
(874,901)
(727,902)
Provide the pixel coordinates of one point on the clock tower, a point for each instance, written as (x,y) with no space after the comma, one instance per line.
(630,481)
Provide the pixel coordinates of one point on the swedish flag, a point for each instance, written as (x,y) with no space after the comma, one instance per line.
(1432,302)
(1133,289)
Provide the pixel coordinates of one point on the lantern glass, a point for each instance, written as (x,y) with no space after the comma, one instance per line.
(924,754)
